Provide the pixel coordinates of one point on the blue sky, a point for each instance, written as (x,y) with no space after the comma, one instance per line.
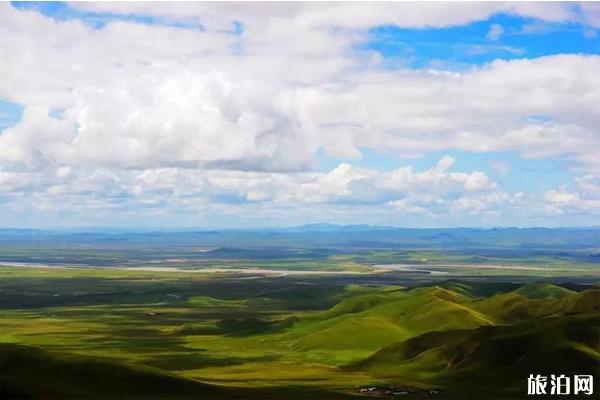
(202,115)
(465,46)
(61,11)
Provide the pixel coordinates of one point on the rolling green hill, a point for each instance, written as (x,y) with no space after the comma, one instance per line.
(513,307)
(366,322)
(544,290)
(497,358)
(31,373)
(259,339)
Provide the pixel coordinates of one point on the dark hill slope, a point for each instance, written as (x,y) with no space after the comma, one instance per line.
(28,372)
(514,307)
(491,361)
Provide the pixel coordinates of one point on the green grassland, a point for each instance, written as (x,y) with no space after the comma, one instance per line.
(110,333)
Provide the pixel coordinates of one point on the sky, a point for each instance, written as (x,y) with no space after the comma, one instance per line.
(241,115)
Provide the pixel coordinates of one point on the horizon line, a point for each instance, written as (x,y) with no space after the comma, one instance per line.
(131,229)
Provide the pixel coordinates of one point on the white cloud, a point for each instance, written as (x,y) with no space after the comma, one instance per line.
(351,14)
(476,180)
(500,166)
(496,30)
(165,117)
(585,198)
(169,97)
(423,190)
(590,14)
(589,186)
(404,189)
(485,203)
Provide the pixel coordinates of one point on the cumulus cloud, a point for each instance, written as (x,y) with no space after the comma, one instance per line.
(585,198)
(235,112)
(351,15)
(178,97)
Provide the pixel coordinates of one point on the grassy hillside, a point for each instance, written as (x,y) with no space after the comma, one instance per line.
(543,290)
(497,358)
(155,335)
(365,322)
(32,373)
(361,324)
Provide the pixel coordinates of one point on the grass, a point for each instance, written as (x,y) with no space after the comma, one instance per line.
(447,359)
(544,290)
(284,337)
(66,376)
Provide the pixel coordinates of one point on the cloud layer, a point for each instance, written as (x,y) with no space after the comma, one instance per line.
(227,106)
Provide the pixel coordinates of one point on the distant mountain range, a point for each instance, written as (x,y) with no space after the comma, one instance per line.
(326,236)
(312,227)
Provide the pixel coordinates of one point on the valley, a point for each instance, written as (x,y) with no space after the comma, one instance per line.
(345,323)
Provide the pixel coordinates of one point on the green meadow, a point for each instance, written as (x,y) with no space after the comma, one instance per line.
(115,333)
